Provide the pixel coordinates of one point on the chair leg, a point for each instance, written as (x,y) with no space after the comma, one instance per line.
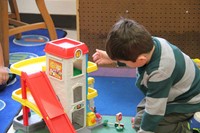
(15,11)
(47,19)
(4,35)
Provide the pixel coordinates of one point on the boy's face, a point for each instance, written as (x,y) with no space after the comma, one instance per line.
(141,61)
(129,63)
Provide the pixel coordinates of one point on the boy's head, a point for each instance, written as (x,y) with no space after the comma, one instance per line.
(127,40)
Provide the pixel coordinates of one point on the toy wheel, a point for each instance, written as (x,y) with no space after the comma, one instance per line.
(119,128)
(105,123)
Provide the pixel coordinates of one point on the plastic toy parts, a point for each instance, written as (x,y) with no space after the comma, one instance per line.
(197,61)
(57,88)
(132,122)
(118,126)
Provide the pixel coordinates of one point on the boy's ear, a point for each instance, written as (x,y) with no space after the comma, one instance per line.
(142,59)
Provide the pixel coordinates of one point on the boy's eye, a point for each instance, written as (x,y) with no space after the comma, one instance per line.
(121,63)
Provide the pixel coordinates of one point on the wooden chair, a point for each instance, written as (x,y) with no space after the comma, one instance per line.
(13,18)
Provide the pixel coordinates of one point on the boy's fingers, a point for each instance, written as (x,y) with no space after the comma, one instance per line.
(4,78)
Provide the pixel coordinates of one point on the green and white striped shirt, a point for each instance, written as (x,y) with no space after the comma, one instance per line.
(170,82)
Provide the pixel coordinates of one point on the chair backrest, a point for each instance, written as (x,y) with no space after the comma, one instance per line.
(14,12)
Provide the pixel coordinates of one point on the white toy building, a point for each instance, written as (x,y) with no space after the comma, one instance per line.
(66,65)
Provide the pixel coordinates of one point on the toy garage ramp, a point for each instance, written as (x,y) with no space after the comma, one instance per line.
(48,104)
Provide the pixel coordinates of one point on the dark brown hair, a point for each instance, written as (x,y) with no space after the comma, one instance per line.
(127,40)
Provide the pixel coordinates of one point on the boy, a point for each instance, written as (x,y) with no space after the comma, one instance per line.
(168,78)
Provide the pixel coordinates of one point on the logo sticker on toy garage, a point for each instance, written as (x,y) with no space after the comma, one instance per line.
(55,69)
(18,56)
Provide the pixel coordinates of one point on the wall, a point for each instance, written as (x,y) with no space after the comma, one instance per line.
(175,20)
(60,7)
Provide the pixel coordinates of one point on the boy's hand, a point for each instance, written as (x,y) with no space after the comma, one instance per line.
(3,75)
(100,57)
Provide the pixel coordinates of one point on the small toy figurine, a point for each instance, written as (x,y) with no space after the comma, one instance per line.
(98,117)
(132,122)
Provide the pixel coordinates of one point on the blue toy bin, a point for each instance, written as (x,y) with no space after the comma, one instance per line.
(195,121)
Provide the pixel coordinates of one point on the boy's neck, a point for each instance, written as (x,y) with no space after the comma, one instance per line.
(149,55)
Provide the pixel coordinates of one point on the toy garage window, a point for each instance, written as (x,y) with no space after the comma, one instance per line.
(77,67)
(78,94)
(78,119)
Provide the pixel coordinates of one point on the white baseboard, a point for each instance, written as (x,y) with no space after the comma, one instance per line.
(61,7)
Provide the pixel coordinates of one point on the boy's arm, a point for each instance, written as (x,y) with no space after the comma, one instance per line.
(156,101)
(100,57)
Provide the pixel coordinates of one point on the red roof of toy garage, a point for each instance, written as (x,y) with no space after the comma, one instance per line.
(65,47)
